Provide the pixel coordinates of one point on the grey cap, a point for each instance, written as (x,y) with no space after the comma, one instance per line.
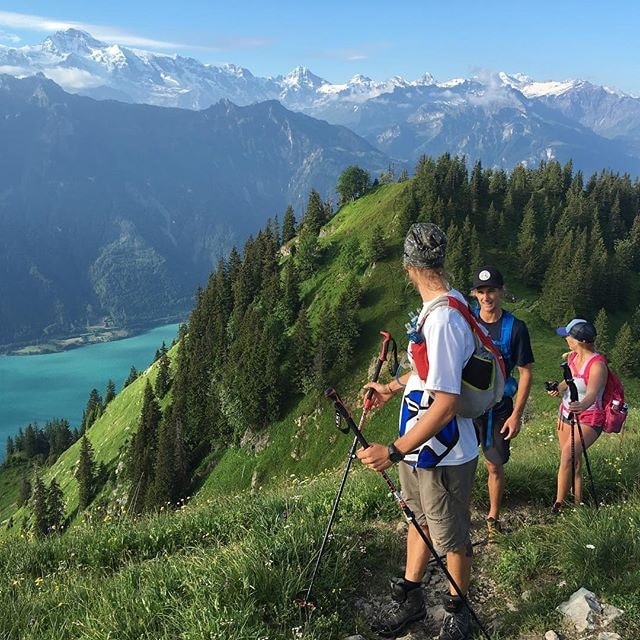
(425,246)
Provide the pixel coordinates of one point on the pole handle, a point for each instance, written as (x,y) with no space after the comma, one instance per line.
(382,357)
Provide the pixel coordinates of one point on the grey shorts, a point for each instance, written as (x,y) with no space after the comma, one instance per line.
(495,448)
(440,498)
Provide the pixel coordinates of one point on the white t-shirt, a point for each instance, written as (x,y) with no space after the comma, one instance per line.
(450,343)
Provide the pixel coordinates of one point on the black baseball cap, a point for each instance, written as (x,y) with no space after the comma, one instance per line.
(488,276)
(579,329)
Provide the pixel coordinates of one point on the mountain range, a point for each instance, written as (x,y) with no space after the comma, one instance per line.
(125,175)
(119,210)
(500,119)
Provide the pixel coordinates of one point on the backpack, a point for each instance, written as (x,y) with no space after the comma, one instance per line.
(483,376)
(504,344)
(613,404)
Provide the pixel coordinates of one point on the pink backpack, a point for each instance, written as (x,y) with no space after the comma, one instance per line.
(613,404)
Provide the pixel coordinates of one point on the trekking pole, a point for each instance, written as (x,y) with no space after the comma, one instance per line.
(575,422)
(304,599)
(574,416)
(408,513)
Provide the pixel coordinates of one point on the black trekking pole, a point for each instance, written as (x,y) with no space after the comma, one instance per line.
(408,513)
(575,422)
(303,599)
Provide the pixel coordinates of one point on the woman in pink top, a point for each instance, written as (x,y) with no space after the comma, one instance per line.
(589,371)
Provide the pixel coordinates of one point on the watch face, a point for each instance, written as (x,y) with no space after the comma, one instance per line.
(394,454)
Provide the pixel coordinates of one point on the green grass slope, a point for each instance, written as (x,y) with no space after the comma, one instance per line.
(229,563)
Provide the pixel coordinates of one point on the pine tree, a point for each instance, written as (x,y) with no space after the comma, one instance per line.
(307,256)
(163,379)
(456,263)
(409,211)
(288,225)
(302,353)
(625,355)
(110,392)
(558,290)
(60,437)
(376,245)
(164,490)
(529,245)
(132,377)
(25,490)
(143,451)
(271,349)
(10,449)
(55,507)
(601,323)
(290,293)
(30,441)
(315,214)
(40,508)
(342,329)
(92,411)
(85,474)
(350,257)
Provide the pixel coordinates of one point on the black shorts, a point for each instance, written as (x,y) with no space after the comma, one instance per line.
(567,421)
(495,448)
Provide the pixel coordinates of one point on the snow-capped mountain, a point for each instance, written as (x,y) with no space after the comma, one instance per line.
(81,64)
(488,121)
(501,119)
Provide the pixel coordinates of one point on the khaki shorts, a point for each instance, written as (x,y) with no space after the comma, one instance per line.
(440,498)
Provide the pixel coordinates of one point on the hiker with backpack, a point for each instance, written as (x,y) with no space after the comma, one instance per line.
(587,373)
(500,424)
(436,448)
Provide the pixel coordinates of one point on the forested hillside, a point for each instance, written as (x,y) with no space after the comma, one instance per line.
(237,405)
(294,311)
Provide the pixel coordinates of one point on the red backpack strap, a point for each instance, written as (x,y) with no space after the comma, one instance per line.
(596,357)
(486,340)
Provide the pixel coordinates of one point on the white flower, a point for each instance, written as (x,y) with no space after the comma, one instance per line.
(590,546)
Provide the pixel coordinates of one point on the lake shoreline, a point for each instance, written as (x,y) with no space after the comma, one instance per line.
(94,335)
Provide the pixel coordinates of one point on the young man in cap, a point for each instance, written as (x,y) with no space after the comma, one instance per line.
(436,449)
(498,426)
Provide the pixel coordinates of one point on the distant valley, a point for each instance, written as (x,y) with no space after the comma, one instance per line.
(117,210)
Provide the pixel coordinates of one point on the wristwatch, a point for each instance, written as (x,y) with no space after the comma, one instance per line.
(394,454)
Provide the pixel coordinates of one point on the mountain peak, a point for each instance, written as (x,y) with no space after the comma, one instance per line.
(302,77)
(71,41)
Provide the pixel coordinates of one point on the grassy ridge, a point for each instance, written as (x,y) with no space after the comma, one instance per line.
(228,564)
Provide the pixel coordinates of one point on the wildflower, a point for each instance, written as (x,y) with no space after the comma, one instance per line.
(590,546)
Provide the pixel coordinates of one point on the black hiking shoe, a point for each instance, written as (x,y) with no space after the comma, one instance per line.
(456,624)
(407,607)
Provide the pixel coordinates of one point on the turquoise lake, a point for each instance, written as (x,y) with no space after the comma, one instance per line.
(57,385)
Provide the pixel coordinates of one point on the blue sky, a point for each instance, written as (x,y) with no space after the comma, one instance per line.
(558,40)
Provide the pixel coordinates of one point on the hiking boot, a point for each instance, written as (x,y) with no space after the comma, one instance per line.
(494,528)
(456,624)
(407,607)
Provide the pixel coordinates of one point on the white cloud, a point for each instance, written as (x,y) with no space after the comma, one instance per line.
(5,36)
(11,70)
(106,33)
(73,78)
